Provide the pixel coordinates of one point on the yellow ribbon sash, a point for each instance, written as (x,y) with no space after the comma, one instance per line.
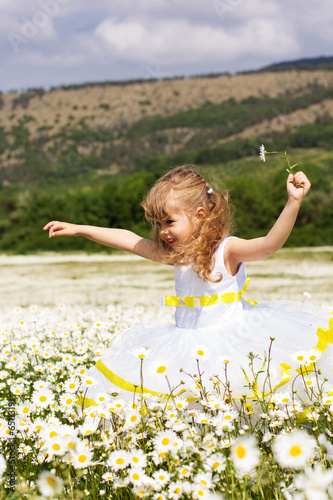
(207,300)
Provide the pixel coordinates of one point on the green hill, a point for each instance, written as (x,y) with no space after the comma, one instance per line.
(89,153)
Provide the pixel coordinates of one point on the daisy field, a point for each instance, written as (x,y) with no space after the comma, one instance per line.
(279,446)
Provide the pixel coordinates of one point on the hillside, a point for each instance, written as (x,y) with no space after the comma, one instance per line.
(75,153)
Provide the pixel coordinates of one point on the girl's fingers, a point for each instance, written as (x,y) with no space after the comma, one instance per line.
(49,224)
(55,228)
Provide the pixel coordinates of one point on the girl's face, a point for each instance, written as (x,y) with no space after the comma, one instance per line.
(178,228)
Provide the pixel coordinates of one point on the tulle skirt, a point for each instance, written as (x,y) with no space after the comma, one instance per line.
(254,350)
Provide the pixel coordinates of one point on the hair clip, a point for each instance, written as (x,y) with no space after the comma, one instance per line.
(209,191)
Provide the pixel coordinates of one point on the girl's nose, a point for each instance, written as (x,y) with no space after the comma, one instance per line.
(163,230)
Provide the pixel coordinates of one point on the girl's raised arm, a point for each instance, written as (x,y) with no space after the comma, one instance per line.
(122,239)
(239,250)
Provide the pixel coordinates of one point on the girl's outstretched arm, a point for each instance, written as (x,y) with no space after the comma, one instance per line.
(122,239)
(239,250)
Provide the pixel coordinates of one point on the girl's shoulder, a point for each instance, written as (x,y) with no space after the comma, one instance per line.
(222,256)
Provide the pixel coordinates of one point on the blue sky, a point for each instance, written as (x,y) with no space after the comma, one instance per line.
(53,42)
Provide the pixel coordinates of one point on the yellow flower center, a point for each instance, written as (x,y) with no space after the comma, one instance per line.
(200,353)
(136,477)
(82,458)
(56,447)
(165,441)
(51,482)
(133,418)
(295,451)
(216,465)
(42,399)
(120,461)
(161,369)
(72,386)
(241,452)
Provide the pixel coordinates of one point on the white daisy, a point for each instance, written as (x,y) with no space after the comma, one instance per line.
(88,381)
(200,491)
(204,480)
(160,367)
(315,482)
(133,418)
(262,153)
(56,446)
(294,450)
(162,477)
(282,398)
(71,385)
(49,484)
(300,358)
(81,456)
(175,490)
(102,398)
(185,470)
(43,398)
(217,462)
(164,441)
(137,458)
(67,400)
(245,454)
(71,443)
(108,476)
(327,398)
(200,352)
(24,409)
(141,352)
(140,491)
(137,476)
(89,426)
(180,403)
(202,418)
(118,459)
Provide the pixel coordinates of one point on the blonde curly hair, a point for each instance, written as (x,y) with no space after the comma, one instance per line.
(190,190)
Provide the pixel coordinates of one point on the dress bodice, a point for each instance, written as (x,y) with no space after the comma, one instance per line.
(188,284)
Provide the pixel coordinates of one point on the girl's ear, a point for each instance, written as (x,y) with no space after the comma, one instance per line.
(200,213)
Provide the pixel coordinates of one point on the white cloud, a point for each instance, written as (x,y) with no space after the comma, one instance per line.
(170,41)
(120,39)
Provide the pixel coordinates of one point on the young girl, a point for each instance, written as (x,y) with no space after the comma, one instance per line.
(215,327)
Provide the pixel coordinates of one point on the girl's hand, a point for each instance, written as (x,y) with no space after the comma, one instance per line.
(298,186)
(56,228)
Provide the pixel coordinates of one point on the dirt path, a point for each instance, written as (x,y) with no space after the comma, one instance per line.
(99,280)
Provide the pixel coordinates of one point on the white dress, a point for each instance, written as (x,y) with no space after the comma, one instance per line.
(216,340)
